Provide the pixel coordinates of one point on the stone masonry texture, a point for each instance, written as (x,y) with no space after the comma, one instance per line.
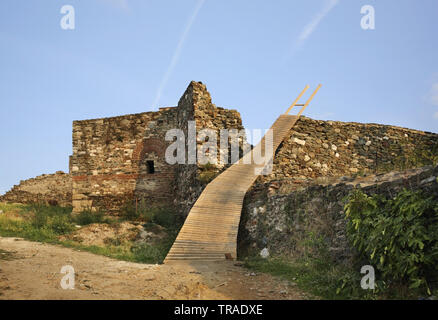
(54,189)
(318,148)
(112,157)
(284,218)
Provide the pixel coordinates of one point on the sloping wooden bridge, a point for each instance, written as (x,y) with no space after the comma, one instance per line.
(210,230)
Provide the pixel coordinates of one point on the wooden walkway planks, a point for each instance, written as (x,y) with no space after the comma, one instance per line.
(210,230)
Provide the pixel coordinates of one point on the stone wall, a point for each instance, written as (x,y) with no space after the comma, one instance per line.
(55,189)
(284,219)
(316,167)
(111,160)
(318,148)
(120,160)
(196,105)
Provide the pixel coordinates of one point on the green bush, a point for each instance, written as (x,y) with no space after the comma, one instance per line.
(207,173)
(88,217)
(40,219)
(60,224)
(129,212)
(140,211)
(207,176)
(167,218)
(51,217)
(398,236)
(49,210)
(163,216)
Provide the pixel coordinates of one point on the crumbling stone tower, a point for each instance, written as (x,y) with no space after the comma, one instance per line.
(121,159)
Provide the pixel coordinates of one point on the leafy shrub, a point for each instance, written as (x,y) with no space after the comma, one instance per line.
(60,224)
(399,236)
(140,211)
(163,216)
(40,219)
(88,217)
(208,167)
(48,216)
(207,173)
(147,213)
(167,218)
(129,212)
(207,176)
(50,210)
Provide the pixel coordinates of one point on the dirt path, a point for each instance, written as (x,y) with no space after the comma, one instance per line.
(32,270)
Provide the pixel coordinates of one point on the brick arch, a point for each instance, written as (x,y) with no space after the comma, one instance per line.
(147,146)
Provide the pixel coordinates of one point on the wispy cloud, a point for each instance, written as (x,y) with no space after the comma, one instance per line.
(177,52)
(313,24)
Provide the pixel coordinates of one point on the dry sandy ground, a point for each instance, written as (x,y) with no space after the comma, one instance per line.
(32,270)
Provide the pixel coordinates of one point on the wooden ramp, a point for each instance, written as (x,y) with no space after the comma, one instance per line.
(210,230)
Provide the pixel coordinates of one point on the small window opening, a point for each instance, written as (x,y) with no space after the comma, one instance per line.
(150,164)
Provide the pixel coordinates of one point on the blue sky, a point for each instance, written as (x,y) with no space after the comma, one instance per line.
(127,56)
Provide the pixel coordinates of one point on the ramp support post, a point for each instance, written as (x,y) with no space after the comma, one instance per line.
(304,106)
(308,101)
(297,99)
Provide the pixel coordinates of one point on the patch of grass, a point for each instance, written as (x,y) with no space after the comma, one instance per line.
(315,272)
(52,219)
(12,207)
(130,212)
(320,278)
(163,216)
(45,224)
(87,217)
(146,253)
(137,211)
(38,222)
(127,251)
(25,229)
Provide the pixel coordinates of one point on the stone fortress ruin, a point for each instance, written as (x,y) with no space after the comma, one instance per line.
(120,160)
